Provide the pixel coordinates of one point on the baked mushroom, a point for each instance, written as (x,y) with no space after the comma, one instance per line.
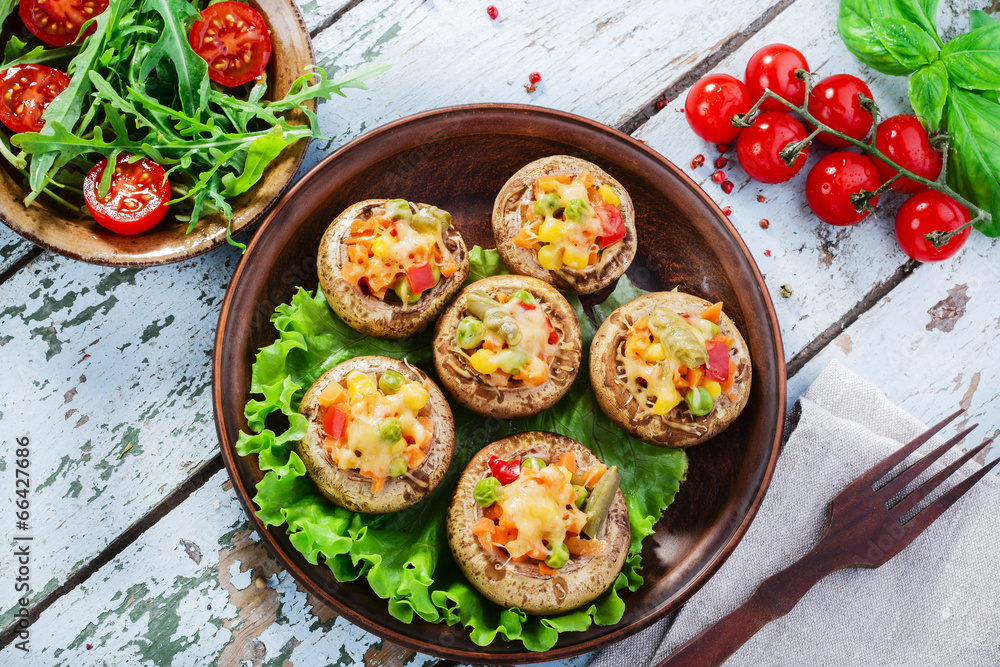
(508,346)
(388,266)
(380,434)
(537,522)
(670,368)
(565,221)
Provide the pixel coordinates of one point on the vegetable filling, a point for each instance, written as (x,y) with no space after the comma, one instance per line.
(571,221)
(375,427)
(397,253)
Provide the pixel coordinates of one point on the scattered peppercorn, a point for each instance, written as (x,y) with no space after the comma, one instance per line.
(719,177)
(721,162)
(722,148)
(530,87)
(727,187)
(698,160)
(660,104)
(767,253)
(764,224)
(761,198)
(726,210)
(534,77)
(785,291)
(492,11)
(90,646)
(260,583)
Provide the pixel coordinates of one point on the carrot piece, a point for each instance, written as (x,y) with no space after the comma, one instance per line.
(448,266)
(484,530)
(568,461)
(504,535)
(378,481)
(581,547)
(544,569)
(362,227)
(586,178)
(523,241)
(593,476)
(695,376)
(642,323)
(414,456)
(712,312)
(732,397)
(492,342)
(728,384)
(493,512)
(549,182)
(502,297)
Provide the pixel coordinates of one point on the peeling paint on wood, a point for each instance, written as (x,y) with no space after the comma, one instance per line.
(946,312)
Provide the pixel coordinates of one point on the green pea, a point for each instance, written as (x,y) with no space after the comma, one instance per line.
(548,204)
(470,333)
(391,382)
(398,209)
(524,296)
(402,289)
(436,272)
(397,467)
(558,556)
(699,401)
(577,210)
(511,361)
(533,463)
(581,495)
(391,429)
(487,491)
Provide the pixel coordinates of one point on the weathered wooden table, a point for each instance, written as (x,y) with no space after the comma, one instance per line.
(142,555)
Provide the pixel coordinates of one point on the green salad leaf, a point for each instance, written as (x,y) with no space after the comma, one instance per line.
(973,59)
(404,556)
(864,24)
(928,91)
(975,167)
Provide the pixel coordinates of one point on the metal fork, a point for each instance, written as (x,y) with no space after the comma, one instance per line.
(862,530)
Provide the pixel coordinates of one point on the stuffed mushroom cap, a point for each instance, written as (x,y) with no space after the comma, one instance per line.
(349,488)
(678,427)
(520,584)
(516,202)
(481,393)
(382,317)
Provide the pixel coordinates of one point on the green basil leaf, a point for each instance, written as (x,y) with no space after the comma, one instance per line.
(6,7)
(974,169)
(261,152)
(192,70)
(928,90)
(854,23)
(978,19)
(906,42)
(973,59)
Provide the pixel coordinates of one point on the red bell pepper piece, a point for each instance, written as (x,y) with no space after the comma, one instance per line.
(505,471)
(420,277)
(334,422)
(717,366)
(612,226)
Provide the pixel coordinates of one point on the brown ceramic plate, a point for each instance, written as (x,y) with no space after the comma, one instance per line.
(459,158)
(54,228)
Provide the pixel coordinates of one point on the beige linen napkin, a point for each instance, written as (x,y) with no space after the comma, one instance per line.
(936,603)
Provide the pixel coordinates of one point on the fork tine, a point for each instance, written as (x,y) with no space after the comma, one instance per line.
(899,482)
(880,470)
(926,516)
(913,498)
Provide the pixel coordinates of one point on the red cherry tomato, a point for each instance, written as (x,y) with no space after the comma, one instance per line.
(612,226)
(505,471)
(833,180)
(711,104)
(234,40)
(834,102)
(930,211)
(25,92)
(758,147)
(137,199)
(773,68)
(58,22)
(904,140)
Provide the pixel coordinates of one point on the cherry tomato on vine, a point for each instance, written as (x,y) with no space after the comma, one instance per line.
(833,180)
(137,199)
(58,22)
(712,102)
(758,146)
(773,68)
(834,102)
(930,211)
(25,92)
(904,140)
(234,41)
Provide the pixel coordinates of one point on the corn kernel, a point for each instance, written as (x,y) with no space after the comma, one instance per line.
(484,362)
(663,406)
(655,352)
(361,387)
(712,387)
(550,258)
(381,246)
(414,396)
(576,257)
(331,392)
(551,230)
(609,195)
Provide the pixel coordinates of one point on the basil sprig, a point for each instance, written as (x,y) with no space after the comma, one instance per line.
(953,86)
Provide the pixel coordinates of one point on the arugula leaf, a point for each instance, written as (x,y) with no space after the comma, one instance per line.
(974,169)
(6,7)
(260,154)
(928,90)
(973,59)
(860,36)
(18,52)
(192,70)
(905,41)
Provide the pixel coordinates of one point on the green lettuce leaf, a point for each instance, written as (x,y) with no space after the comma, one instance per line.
(973,59)
(404,556)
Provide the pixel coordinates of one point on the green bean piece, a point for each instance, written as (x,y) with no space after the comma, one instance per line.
(533,463)
(548,204)
(397,467)
(511,361)
(558,555)
(487,491)
(677,336)
(431,219)
(391,429)
(577,210)
(599,503)
(523,295)
(699,401)
(402,289)
(391,382)
(470,333)
(581,495)
(493,316)
(399,209)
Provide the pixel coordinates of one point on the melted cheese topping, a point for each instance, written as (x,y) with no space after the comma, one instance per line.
(541,506)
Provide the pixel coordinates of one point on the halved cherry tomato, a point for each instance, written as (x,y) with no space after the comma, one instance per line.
(25,92)
(420,277)
(505,471)
(234,41)
(612,227)
(334,421)
(137,199)
(58,22)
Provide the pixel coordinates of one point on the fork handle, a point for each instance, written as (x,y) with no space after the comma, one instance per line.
(774,597)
